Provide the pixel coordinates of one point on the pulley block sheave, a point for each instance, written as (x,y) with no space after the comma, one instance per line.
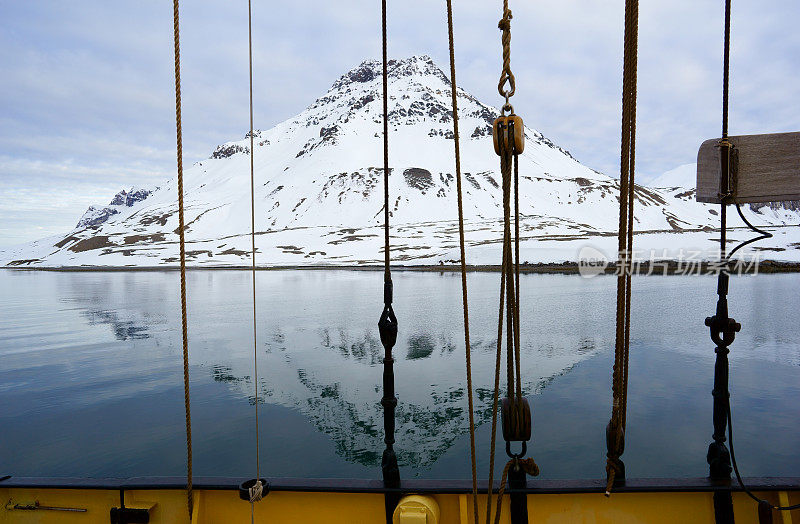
(508,130)
(516,416)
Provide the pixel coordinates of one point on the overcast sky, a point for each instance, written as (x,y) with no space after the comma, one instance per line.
(88,101)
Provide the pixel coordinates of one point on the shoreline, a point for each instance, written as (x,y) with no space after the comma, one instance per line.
(659,268)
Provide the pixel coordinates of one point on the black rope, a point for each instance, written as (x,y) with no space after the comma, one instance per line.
(387,325)
(723,328)
(762,234)
(739,477)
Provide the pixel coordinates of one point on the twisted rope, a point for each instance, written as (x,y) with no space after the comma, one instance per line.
(614,466)
(528,465)
(181,235)
(509,302)
(464,301)
(506,76)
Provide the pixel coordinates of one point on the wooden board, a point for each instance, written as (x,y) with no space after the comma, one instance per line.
(768,168)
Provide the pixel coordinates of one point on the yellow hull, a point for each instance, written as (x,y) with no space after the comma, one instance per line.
(223,505)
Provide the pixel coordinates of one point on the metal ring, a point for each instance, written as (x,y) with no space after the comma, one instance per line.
(515,455)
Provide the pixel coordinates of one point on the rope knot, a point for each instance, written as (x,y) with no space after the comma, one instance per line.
(256,491)
(529,466)
(614,467)
(505,23)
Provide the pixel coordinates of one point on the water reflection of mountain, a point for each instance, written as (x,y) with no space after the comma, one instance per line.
(123,329)
(338,387)
(319,350)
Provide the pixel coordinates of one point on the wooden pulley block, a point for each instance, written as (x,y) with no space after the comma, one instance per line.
(510,130)
(516,420)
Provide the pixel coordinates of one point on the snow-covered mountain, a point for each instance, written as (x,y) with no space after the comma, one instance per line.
(319,194)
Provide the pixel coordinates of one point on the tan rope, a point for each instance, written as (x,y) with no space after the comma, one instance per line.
(614,466)
(506,76)
(528,465)
(464,301)
(496,391)
(516,276)
(181,235)
(509,275)
(255,493)
(505,169)
(509,303)
(631,197)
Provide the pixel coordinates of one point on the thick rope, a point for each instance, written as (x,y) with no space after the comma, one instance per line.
(508,301)
(181,235)
(509,275)
(631,197)
(614,466)
(528,465)
(507,268)
(506,76)
(255,493)
(464,301)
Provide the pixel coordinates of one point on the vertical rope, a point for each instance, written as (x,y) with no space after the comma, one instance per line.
(721,324)
(387,325)
(726,60)
(516,277)
(506,75)
(505,144)
(631,196)
(615,468)
(496,391)
(181,234)
(387,271)
(253,229)
(464,301)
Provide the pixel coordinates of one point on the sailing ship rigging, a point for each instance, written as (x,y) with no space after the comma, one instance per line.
(519,497)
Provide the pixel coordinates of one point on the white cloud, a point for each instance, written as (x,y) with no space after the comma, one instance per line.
(87,87)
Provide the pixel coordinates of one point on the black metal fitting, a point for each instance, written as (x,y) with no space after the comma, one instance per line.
(129,516)
(244,488)
(388,292)
(719,459)
(387,327)
(519,455)
(723,328)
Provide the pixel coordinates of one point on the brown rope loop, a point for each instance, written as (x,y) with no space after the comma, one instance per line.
(506,77)
(528,465)
(613,469)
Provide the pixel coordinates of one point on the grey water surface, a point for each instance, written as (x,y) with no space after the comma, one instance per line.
(91,373)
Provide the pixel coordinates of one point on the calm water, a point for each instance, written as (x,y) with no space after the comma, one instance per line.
(91,373)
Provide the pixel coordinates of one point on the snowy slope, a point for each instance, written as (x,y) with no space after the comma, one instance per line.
(319,193)
(684,175)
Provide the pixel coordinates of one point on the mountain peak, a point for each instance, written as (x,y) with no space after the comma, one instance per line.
(369,70)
